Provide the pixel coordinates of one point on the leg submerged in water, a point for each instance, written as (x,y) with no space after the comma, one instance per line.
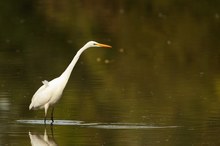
(52,120)
(45,120)
(45,116)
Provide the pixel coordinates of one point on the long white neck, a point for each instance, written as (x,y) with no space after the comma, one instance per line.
(66,74)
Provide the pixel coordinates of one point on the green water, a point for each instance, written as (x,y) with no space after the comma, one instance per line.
(158,85)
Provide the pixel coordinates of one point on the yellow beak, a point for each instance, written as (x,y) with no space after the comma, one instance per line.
(104,45)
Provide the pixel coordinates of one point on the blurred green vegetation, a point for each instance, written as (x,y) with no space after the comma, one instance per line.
(163,68)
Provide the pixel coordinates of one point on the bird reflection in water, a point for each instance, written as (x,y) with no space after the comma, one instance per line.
(42,140)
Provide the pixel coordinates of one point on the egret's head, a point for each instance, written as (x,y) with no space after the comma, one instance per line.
(95,44)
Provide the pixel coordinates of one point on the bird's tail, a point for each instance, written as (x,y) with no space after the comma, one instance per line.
(30,107)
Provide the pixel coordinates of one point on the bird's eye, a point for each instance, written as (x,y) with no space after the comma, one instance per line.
(94,44)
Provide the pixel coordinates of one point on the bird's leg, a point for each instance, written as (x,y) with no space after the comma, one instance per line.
(45,117)
(52,116)
(45,120)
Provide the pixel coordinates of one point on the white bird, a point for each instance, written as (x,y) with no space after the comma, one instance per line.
(51,91)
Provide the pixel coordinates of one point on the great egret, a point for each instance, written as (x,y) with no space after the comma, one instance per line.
(51,91)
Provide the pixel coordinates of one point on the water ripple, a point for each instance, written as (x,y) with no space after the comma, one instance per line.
(98,125)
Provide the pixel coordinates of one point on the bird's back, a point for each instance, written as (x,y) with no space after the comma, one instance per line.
(41,97)
(49,92)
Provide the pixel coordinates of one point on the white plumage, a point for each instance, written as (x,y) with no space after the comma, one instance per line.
(50,92)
